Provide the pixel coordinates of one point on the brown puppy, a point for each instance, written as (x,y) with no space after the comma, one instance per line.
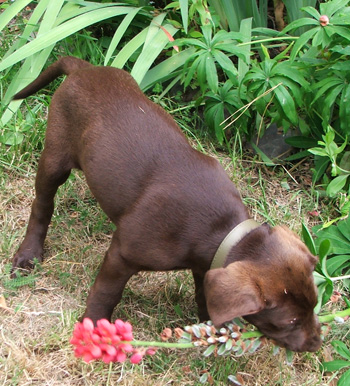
(172,206)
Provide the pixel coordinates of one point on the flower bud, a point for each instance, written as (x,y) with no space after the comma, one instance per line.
(136,358)
(223,339)
(324,20)
(211,340)
(166,334)
(178,332)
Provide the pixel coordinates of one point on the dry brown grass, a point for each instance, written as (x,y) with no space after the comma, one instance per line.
(37,322)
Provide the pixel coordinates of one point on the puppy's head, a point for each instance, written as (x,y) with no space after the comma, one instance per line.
(270,284)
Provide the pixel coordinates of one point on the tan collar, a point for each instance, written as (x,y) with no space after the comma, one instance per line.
(232,239)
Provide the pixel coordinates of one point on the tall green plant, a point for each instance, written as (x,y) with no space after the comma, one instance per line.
(328,23)
(288,84)
(51,22)
(212,52)
(232,12)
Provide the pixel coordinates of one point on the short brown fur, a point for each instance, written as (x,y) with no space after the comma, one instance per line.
(171,204)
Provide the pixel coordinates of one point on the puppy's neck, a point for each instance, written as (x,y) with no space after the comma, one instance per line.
(231,240)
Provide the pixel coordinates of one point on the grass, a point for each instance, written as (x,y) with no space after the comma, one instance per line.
(41,308)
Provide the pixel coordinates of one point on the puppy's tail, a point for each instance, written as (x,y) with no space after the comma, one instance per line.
(63,66)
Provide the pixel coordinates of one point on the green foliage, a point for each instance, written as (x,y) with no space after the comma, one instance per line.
(337,13)
(306,85)
(52,22)
(332,245)
(330,151)
(232,12)
(226,99)
(343,350)
(285,80)
(212,53)
(19,281)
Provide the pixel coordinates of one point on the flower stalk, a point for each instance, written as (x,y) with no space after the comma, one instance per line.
(114,342)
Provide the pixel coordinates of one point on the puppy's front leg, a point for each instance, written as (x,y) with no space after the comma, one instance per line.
(200,297)
(108,288)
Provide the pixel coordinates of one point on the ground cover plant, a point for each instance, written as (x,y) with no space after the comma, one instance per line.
(225,63)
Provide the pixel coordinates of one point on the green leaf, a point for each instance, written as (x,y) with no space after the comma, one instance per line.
(308,240)
(319,279)
(319,151)
(211,74)
(234,380)
(12,138)
(297,156)
(344,109)
(287,69)
(311,11)
(10,12)
(321,164)
(243,63)
(129,49)
(335,365)
(323,252)
(291,87)
(164,69)
(192,70)
(321,39)
(331,7)
(337,262)
(345,161)
(299,23)
(300,43)
(324,85)
(342,31)
(344,228)
(226,64)
(289,356)
(201,71)
(184,13)
(119,33)
(204,378)
(327,106)
(336,185)
(209,350)
(340,244)
(263,156)
(155,42)
(301,142)
(215,116)
(60,32)
(286,102)
(325,291)
(344,380)
(221,349)
(341,349)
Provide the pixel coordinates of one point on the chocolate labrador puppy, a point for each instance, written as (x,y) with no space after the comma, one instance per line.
(174,208)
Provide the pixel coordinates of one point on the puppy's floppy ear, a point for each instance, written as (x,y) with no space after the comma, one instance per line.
(231,292)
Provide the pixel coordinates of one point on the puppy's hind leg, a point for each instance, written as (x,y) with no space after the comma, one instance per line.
(50,175)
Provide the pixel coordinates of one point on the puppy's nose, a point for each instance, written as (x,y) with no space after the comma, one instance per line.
(313,343)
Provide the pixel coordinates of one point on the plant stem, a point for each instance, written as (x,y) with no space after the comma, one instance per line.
(340,278)
(244,335)
(330,317)
(160,344)
(267,40)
